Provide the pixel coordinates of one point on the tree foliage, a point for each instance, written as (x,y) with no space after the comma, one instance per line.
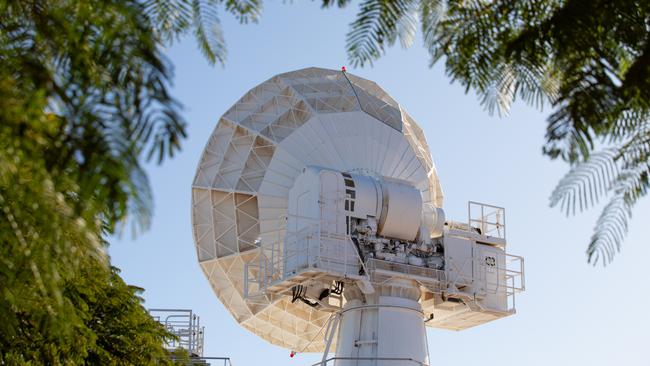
(174,18)
(84,100)
(588,59)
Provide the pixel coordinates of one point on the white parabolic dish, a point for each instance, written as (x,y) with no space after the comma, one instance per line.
(308,117)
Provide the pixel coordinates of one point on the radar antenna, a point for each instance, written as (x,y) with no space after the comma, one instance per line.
(317,218)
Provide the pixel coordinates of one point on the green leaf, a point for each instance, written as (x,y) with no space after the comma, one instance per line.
(379,23)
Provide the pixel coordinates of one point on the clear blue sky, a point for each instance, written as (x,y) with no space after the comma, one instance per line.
(571,313)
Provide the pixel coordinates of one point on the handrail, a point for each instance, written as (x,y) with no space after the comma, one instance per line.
(402,359)
(303,250)
(199,360)
(513,278)
(486,226)
(300,257)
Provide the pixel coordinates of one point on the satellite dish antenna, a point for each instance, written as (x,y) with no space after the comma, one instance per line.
(317,218)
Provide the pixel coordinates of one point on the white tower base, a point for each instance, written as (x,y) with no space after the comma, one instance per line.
(382,329)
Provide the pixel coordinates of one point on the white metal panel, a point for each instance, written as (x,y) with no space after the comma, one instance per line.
(491,268)
(459,262)
(332,212)
(325,152)
(303,217)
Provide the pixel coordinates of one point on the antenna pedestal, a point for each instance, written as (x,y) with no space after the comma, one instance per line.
(385,328)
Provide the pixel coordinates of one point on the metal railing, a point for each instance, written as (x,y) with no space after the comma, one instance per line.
(269,266)
(508,269)
(391,360)
(203,361)
(310,248)
(489,220)
(382,271)
(313,249)
(185,325)
(508,277)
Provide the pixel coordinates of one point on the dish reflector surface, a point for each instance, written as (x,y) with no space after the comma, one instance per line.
(308,117)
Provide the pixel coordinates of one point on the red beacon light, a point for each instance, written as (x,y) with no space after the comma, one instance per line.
(343,69)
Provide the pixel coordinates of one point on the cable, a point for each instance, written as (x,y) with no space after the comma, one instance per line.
(298,293)
(344,72)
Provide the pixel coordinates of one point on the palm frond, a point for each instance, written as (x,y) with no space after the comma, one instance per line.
(380,23)
(623,171)
(613,223)
(465,33)
(332,3)
(586,183)
(501,92)
(628,125)
(637,182)
(407,26)
(140,207)
(636,150)
(245,10)
(173,18)
(169,18)
(566,141)
(207,30)
(431,14)
(610,231)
